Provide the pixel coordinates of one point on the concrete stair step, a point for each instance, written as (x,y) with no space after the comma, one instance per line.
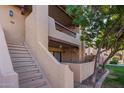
(44,86)
(21,59)
(20,55)
(29,79)
(17,49)
(29,72)
(18,52)
(28,76)
(14,45)
(34,84)
(23,70)
(23,64)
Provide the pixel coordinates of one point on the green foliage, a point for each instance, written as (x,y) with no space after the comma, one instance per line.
(114,60)
(100,25)
(105,9)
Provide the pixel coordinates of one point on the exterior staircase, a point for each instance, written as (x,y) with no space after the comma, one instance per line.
(30,74)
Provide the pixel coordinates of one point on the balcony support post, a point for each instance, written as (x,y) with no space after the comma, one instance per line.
(81,52)
(81,48)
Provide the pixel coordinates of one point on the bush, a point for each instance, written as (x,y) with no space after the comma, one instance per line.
(114,60)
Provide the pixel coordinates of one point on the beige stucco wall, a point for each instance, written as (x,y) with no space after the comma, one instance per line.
(12,26)
(8,77)
(60,35)
(81,70)
(59,75)
(37,40)
(37,27)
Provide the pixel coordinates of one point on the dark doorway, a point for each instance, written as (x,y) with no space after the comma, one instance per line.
(57,55)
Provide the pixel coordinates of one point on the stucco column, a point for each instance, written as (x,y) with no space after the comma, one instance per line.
(42,23)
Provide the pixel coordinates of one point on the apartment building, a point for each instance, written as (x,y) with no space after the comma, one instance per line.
(40,47)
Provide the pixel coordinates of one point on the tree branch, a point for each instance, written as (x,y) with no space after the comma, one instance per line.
(110,55)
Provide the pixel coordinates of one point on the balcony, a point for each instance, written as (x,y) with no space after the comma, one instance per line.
(62,33)
(64,29)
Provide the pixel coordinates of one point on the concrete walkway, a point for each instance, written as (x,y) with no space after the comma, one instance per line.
(116,65)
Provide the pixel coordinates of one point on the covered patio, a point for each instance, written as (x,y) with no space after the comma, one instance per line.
(64,51)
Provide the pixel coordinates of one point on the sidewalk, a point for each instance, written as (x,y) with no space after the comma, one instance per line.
(115,64)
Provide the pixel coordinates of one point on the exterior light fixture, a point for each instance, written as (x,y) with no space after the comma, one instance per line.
(11,13)
(60,46)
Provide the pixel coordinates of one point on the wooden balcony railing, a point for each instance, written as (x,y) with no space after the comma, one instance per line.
(64,29)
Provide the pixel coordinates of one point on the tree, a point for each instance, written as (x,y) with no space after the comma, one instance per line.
(102,28)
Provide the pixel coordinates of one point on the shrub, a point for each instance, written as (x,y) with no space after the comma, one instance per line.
(114,60)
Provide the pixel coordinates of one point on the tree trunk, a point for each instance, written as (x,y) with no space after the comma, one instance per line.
(110,56)
(95,67)
(123,56)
